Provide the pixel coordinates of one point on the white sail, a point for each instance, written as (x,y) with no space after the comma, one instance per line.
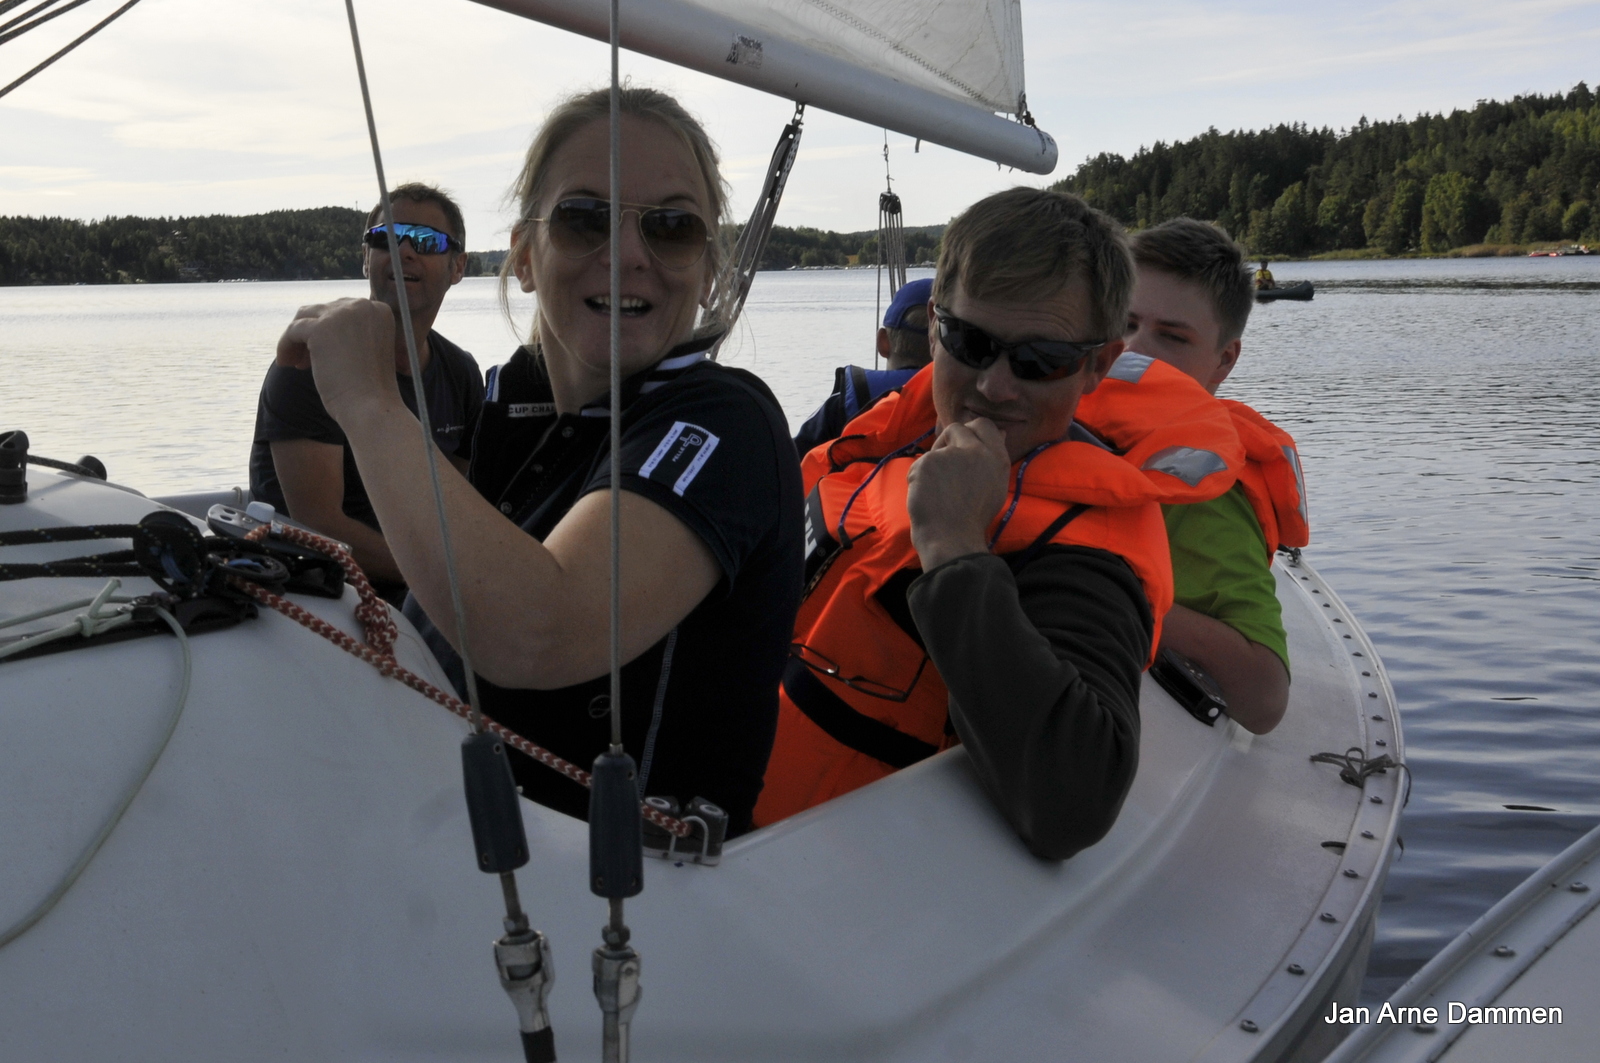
(969,50)
(937,72)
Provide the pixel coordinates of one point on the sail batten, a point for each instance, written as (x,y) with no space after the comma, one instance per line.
(882,62)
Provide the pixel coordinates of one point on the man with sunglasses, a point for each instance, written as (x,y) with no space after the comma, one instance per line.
(1190,306)
(300,462)
(986,557)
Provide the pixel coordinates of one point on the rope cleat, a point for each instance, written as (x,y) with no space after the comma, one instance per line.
(708,828)
(309,571)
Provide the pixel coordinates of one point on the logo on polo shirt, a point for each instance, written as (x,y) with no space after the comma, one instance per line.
(530,409)
(680,456)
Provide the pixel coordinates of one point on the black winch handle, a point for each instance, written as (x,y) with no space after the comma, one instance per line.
(492,804)
(616,856)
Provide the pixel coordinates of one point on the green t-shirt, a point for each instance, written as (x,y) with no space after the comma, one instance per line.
(1220,568)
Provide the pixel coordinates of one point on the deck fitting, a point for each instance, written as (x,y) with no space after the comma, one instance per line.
(1248,1027)
(1351,872)
(1295,968)
(1375,799)
(1579,887)
(1504,951)
(1368,834)
(1329,917)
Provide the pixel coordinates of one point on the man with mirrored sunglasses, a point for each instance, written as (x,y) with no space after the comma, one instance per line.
(300,462)
(987,562)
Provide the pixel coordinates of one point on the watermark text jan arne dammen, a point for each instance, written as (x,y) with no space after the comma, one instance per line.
(1454,1011)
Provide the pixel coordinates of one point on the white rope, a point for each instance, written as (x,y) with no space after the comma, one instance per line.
(40,910)
(95,620)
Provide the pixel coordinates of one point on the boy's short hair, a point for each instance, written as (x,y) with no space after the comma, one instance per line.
(418,192)
(1205,254)
(1027,244)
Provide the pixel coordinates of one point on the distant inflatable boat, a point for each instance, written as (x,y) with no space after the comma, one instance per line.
(1301,292)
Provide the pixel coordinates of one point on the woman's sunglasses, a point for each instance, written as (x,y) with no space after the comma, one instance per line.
(1030,359)
(580,227)
(426,239)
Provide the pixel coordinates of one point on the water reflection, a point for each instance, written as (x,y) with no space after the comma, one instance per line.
(1447,416)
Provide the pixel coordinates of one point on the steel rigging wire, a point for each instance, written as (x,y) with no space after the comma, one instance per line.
(96,28)
(522,955)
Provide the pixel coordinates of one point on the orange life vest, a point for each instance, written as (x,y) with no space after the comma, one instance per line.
(860,698)
(1272,480)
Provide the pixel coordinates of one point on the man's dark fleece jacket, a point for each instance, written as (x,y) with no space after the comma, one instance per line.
(1043,668)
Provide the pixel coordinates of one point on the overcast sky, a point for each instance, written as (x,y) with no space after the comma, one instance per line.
(241,106)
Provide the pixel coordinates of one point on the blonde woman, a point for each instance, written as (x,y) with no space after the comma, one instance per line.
(711,504)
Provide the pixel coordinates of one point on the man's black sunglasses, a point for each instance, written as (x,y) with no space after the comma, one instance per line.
(1030,359)
(426,239)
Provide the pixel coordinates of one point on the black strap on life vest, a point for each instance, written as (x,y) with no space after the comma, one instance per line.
(858,392)
(848,727)
(1022,557)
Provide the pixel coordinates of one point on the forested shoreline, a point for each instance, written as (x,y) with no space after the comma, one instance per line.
(322,243)
(1526,172)
(1517,173)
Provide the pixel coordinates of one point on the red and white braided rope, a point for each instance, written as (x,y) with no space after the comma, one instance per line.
(378,651)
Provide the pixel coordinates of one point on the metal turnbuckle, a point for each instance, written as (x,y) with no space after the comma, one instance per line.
(616,987)
(526,973)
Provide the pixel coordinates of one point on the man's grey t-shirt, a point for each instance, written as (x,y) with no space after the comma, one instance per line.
(290,408)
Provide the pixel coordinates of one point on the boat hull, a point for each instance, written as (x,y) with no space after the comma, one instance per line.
(295,878)
(1301,292)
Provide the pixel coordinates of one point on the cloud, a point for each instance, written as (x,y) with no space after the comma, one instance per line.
(201,105)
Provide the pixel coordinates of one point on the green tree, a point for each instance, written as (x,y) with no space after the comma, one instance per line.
(1372,216)
(1402,222)
(1576,221)
(1292,219)
(1449,209)
(1339,222)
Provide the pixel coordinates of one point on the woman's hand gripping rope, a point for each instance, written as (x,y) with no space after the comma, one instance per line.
(378,651)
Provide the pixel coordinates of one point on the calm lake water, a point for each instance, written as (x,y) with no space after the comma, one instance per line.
(1448,413)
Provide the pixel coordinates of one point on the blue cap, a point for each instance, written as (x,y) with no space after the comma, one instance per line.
(911,294)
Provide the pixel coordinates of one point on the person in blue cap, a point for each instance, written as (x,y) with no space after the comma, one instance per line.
(902,343)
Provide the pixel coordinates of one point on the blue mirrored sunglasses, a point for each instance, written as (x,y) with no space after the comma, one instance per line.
(426,239)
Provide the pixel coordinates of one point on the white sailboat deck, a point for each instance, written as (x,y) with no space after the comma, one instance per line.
(295,879)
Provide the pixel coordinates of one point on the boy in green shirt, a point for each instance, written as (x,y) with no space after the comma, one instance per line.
(1190,304)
